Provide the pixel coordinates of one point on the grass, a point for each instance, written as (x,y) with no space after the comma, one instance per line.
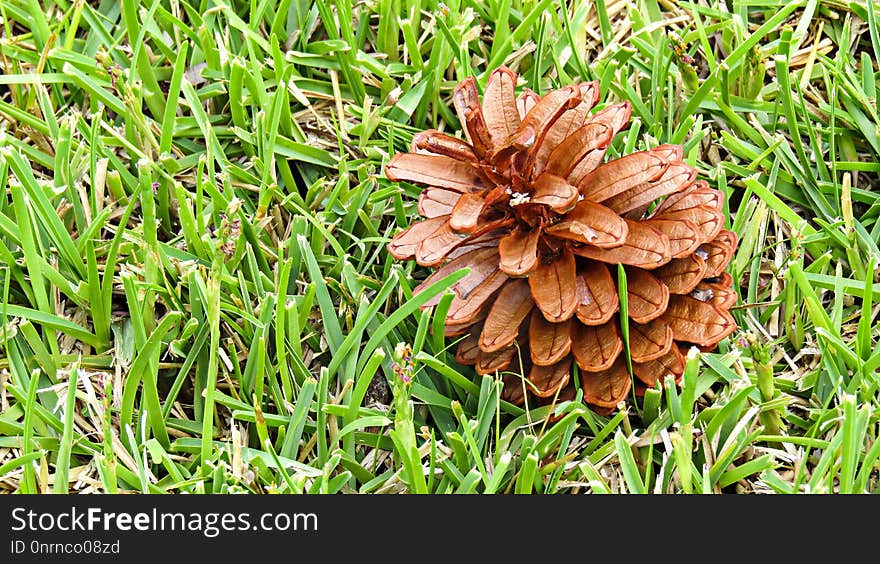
(196,295)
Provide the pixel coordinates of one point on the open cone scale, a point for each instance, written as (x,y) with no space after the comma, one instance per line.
(530,205)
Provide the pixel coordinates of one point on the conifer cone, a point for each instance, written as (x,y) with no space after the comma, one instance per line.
(528,203)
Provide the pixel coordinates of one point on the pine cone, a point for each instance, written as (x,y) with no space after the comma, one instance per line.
(528,204)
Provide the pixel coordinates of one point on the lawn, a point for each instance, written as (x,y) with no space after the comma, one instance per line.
(195,290)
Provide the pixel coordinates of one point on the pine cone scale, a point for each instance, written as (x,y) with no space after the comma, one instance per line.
(554,287)
(597,295)
(433,142)
(697,322)
(518,252)
(592,224)
(684,235)
(562,160)
(465,310)
(608,387)
(548,380)
(596,347)
(564,126)
(499,107)
(432,250)
(435,170)
(649,373)
(647,297)
(548,342)
(682,275)
(510,309)
(644,247)
(650,341)
(489,363)
(403,246)
(676,177)
(553,191)
(533,127)
(466,212)
(436,202)
(621,175)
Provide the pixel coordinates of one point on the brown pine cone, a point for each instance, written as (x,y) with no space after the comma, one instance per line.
(530,206)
